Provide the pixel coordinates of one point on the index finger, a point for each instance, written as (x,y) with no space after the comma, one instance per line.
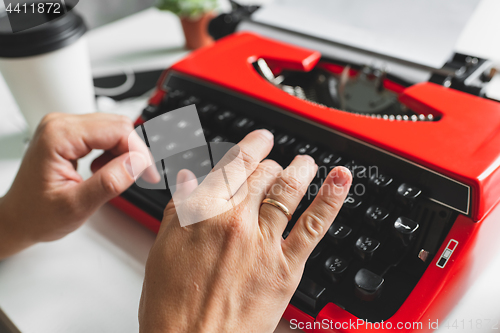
(311,227)
(237,165)
(77,135)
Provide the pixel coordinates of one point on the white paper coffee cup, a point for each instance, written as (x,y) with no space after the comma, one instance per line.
(47,69)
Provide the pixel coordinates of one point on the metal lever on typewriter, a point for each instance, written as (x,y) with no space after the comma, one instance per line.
(266,72)
(364,94)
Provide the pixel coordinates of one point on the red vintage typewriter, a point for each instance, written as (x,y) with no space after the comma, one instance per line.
(404,250)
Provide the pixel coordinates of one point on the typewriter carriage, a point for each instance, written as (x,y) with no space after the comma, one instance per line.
(365,91)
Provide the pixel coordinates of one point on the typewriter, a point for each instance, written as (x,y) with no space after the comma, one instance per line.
(426,154)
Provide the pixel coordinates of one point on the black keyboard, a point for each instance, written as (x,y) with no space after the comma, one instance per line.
(388,230)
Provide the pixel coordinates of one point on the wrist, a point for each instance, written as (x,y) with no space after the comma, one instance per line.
(12,237)
(179,317)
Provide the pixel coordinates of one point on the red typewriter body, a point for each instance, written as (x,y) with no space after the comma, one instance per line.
(455,159)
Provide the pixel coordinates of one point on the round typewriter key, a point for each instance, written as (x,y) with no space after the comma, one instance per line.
(306,149)
(329,159)
(334,267)
(405,229)
(188,101)
(223,118)
(376,216)
(218,138)
(205,132)
(379,182)
(282,148)
(284,141)
(338,231)
(351,204)
(171,100)
(206,110)
(408,194)
(150,112)
(366,247)
(243,123)
(242,126)
(269,128)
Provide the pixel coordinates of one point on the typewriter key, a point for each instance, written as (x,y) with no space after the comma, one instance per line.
(366,247)
(405,229)
(338,231)
(309,292)
(368,285)
(379,182)
(408,194)
(376,216)
(335,267)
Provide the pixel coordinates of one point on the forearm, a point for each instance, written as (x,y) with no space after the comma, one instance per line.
(12,239)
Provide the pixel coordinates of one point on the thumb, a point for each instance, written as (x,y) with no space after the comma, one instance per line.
(111,180)
(185,185)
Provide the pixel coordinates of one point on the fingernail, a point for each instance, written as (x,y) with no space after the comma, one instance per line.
(309,158)
(128,167)
(341,176)
(135,164)
(181,177)
(267,134)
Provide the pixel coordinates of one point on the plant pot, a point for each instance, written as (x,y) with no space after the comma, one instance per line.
(196,31)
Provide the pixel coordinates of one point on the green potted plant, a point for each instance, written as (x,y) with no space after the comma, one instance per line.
(195,16)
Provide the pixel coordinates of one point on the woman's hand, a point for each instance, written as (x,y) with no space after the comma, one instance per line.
(234,272)
(48,198)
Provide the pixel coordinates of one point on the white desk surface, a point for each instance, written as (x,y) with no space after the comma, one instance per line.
(91,280)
